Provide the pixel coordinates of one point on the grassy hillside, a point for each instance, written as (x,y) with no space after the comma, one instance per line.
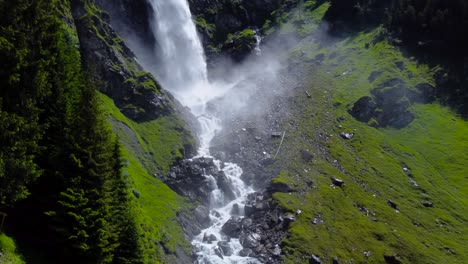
(8,253)
(429,223)
(150,148)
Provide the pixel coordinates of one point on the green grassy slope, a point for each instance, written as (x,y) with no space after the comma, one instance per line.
(8,253)
(359,225)
(150,148)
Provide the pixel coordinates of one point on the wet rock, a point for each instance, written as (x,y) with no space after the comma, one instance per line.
(232,227)
(218,252)
(235,209)
(225,248)
(392,204)
(208,238)
(246,252)
(215,213)
(251,240)
(306,155)
(347,136)
(202,214)
(337,182)
(314,259)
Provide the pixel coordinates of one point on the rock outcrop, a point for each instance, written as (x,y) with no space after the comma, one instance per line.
(389,104)
(113,65)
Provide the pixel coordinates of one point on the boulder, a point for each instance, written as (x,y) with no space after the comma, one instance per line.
(346,136)
(337,182)
(232,227)
(235,209)
(314,259)
(392,204)
(363,109)
(306,155)
(225,248)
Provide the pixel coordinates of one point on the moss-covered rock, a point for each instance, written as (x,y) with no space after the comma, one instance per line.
(240,44)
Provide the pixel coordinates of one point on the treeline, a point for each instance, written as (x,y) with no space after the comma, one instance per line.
(436,23)
(60,165)
(433,30)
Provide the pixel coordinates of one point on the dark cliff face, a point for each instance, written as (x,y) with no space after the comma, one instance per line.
(131,19)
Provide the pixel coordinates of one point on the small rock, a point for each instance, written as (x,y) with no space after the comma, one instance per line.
(335,260)
(136,193)
(427,204)
(337,182)
(392,204)
(347,136)
(258,138)
(317,221)
(314,259)
(367,254)
(341,119)
(276,134)
(306,155)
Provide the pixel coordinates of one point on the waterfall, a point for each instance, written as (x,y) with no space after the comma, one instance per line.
(183,71)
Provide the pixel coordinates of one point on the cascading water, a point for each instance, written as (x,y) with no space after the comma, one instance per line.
(184,73)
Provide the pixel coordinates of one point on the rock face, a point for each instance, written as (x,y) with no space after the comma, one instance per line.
(217,19)
(118,75)
(130,18)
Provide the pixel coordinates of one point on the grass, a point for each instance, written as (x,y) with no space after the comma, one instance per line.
(156,143)
(8,254)
(357,218)
(150,148)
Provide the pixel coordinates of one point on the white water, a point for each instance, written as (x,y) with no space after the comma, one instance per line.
(183,72)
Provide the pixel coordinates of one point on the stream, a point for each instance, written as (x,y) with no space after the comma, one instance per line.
(183,71)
